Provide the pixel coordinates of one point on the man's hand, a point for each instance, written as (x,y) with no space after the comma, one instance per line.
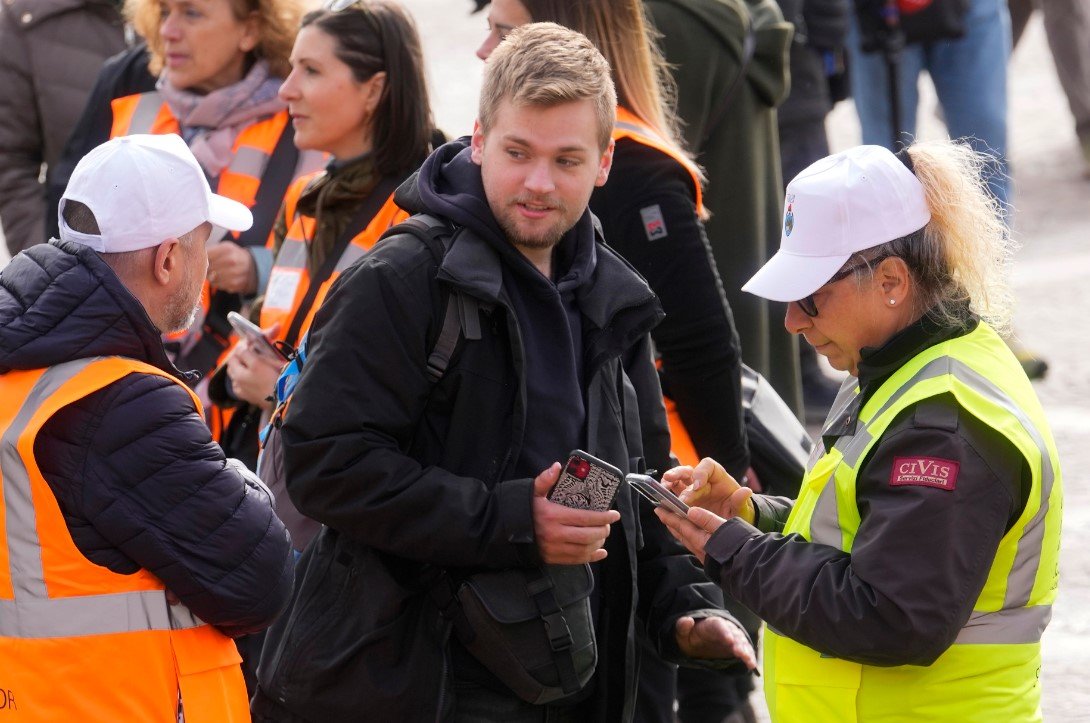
(692,531)
(715,638)
(231,268)
(566,536)
(708,485)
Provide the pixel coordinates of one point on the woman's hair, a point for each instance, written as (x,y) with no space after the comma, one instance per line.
(278,20)
(373,36)
(621,31)
(962,256)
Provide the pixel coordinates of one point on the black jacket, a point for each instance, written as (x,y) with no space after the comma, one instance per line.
(697,341)
(921,555)
(406,475)
(134,469)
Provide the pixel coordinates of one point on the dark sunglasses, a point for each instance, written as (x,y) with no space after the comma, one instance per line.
(807,304)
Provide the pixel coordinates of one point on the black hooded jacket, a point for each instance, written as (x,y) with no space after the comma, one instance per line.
(407,475)
(138,478)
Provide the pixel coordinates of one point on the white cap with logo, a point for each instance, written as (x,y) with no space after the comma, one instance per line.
(847,202)
(142,190)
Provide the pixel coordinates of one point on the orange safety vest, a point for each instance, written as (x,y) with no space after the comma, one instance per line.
(289,280)
(631,127)
(77,641)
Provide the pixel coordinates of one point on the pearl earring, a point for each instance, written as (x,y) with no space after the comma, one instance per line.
(892,302)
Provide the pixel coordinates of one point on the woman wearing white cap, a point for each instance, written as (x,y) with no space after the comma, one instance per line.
(913,576)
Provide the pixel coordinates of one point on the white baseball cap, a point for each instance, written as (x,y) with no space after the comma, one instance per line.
(144,189)
(847,202)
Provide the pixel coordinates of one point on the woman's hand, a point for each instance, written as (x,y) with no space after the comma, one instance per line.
(253,376)
(708,485)
(693,531)
(231,268)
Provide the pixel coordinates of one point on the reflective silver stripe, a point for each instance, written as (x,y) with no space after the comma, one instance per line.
(145,113)
(292,254)
(1027,559)
(68,617)
(853,447)
(249,161)
(24,548)
(351,255)
(33,614)
(1020,625)
(825,521)
(632,127)
(845,400)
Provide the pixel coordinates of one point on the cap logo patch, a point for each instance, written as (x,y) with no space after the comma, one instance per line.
(924,472)
(789,216)
(653,222)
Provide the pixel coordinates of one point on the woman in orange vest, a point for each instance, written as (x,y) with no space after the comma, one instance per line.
(219,65)
(651,210)
(357,92)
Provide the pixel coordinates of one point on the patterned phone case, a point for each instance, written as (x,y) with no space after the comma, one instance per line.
(586,483)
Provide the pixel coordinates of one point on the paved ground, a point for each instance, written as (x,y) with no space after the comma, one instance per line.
(1051,275)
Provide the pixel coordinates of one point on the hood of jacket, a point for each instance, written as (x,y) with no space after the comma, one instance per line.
(60,301)
(611,294)
(768,72)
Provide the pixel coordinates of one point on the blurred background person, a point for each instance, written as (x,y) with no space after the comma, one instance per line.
(218,66)
(357,92)
(650,210)
(729,61)
(1067,27)
(50,55)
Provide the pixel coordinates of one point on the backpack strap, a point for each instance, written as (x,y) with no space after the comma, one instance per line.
(461,317)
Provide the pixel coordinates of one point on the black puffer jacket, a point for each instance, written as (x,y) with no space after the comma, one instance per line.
(137,476)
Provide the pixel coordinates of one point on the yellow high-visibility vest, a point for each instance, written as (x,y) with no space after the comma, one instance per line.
(991,672)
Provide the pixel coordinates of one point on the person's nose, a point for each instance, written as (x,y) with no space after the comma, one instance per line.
(288,92)
(169,27)
(795,320)
(489,44)
(539,178)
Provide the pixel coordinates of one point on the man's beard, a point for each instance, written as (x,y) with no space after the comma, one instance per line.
(548,239)
(181,309)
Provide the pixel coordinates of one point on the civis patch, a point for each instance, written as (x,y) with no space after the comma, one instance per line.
(653,222)
(924,472)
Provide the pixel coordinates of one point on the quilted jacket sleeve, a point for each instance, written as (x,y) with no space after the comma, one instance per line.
(142,485)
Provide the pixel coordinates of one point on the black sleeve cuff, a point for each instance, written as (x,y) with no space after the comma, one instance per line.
(516,502)
(725,544)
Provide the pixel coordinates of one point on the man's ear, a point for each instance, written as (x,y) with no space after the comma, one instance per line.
(605,164)
(168,261)
(476,145)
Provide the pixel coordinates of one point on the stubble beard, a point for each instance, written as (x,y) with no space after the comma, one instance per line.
(544,241)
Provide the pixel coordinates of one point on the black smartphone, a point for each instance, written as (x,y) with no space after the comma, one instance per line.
(657,494)
(252,333)
(586,483)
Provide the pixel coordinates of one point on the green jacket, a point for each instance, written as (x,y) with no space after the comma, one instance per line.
(703,41)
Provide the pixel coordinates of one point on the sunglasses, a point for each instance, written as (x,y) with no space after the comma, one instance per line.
(807,304)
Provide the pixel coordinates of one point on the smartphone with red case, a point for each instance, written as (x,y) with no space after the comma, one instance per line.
(586,483)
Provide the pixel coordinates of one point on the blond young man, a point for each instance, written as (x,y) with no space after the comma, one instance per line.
(413,476)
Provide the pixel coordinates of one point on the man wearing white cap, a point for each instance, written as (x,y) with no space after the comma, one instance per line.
(913,577)
(131,551)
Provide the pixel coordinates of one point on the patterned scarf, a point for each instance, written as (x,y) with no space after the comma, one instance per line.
(331,199)
(211,123)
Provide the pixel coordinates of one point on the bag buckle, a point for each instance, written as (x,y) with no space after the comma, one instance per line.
(556,627)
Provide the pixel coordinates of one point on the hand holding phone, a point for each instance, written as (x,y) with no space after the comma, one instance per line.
(586,483)
(255,338)
(657,494)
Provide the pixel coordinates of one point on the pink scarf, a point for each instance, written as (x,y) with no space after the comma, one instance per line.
(211,123)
